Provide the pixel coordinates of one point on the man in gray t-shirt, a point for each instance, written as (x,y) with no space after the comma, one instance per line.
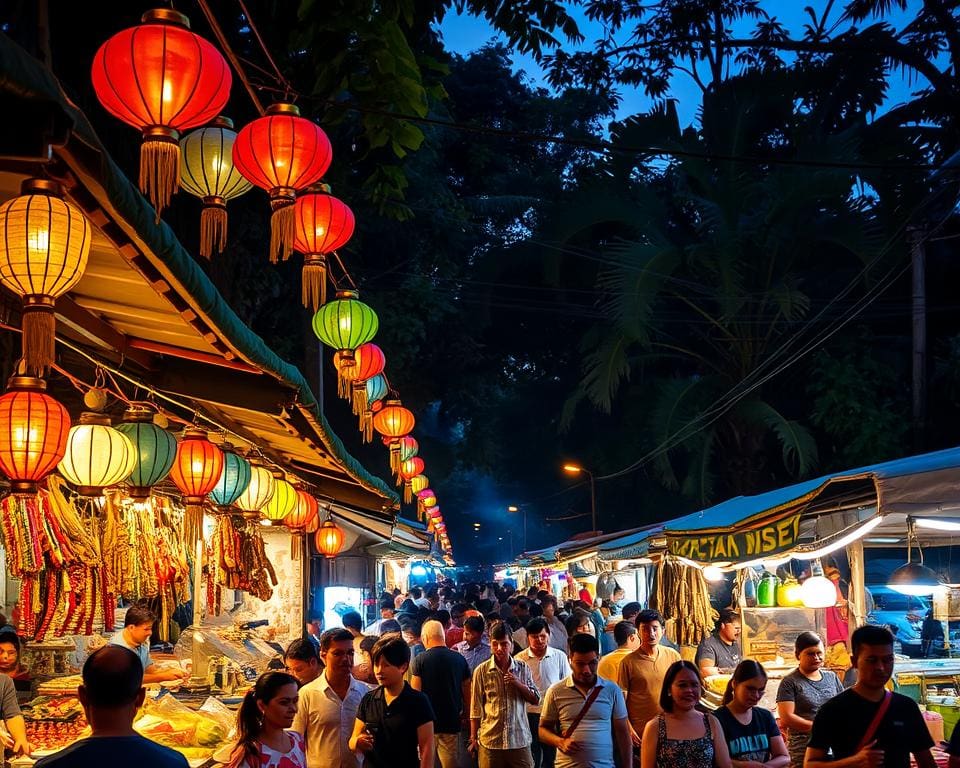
(720,652)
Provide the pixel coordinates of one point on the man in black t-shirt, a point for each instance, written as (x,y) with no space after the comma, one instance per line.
(843,721)
(444,677)
(394,725)
(111,694)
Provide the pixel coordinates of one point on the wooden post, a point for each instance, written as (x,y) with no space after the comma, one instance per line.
(918,260)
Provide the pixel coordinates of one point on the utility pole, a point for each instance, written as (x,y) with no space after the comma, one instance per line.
(918,260)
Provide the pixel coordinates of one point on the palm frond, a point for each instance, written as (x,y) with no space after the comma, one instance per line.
(799,447)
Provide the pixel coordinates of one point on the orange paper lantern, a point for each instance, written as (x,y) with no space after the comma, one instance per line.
(33,433)
(196,471)
(329,539)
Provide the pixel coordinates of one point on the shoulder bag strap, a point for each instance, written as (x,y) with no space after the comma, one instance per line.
(583,711)
(875,723)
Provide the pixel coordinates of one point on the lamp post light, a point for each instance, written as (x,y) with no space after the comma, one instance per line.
(576,469)
(513,509)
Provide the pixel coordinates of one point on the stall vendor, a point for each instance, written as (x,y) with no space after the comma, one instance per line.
(720,652)
(135,635)
(10,659)
(12,719)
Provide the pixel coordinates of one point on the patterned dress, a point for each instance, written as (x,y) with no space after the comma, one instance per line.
(684,753)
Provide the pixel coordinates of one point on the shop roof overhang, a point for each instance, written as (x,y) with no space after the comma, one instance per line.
(923,485)
(145,304)
(602,545)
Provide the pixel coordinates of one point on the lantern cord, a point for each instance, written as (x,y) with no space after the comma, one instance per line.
(266,51)
(231,56)
(345,273)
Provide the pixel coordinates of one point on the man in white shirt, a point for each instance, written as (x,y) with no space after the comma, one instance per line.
(327,709)
(547,666)
(594,737)
(558,632)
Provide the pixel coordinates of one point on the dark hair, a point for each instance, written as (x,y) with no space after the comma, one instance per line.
(301,650)
(7,635)
(805,640)
(484,606)
(388,605)
(112,677)
(138,614)
(336,635)
(249,718)
(393,648)
(416,593)
(576,620)
(387,626)
(648,617)
(582,643)
(499,631)
(630,609)
(666,701)
(474,624)
(352,620)
(443,616)
(622,632)
(523,604)
(367,643)
(869,634)
(727,616)
(746,670)
(459,609)
(549,600)
(536,625)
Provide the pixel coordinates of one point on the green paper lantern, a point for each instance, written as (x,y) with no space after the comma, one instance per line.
(345,323)
(233,480)
(156,450)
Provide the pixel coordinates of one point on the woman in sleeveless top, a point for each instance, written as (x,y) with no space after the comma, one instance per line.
(681,736)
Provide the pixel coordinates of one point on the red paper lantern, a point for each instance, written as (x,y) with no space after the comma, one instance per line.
(282,152)
(196,471)
(353,370)
(329,539)
(410,468)
(323,224)
(161,78)
(33,433)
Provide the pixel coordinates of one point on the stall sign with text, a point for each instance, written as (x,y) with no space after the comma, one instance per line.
(748,543)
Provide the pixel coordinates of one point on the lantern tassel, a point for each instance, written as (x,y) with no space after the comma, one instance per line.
(294,547)
(366,426)
(395,457)
(193,525)
(343,383)
(282,229)
(213,229)
(313,280)
(159,171)
(407,493)
(39,337)
(359,397)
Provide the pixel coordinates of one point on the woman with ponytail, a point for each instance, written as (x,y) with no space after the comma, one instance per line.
(266,713)
(751,732)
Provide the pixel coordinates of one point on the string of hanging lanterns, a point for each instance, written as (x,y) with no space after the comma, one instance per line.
(185,87)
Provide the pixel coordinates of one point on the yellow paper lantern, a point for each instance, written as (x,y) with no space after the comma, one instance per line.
(44,245)
(283,500)
(97,455)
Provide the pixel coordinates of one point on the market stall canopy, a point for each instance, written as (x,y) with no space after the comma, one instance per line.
(144,303)
(407,540)
(748,528)
(585,546)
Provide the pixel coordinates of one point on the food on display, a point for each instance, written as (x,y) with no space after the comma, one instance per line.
(48,736)
(240,561)
(52,708)
(682,592)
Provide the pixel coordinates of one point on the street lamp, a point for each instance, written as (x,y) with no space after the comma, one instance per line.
(513,509)
(576,469)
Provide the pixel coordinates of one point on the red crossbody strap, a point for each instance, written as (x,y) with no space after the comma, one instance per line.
(875,723)
(583,711)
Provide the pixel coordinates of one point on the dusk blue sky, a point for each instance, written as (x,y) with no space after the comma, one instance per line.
(464,34)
